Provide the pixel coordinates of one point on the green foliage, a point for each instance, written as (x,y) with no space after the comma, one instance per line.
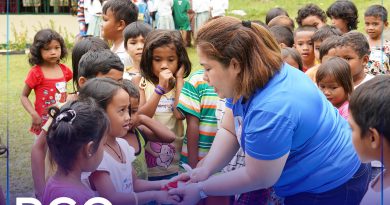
(20,38)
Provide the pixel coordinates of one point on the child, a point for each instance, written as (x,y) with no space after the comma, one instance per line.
(304,45)
(134,35)
(369,120)
(94,19)
(272,13)
(83,26)
(117,14)
(142,130)
(180,16)
(320,35)
(292,57)
(47,77)
(164,65)
(77,130)
(283,35)
(100,63)
(375,19)
(328,49)
(344,15)
(354,48)
(114,178)
(282,21)
(165,18)
(311,15)
(335,81)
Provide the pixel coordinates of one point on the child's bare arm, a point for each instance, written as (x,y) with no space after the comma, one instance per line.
(149,107)
(179,86)
(36,119)
(155,131)
(192,139)
(38,154)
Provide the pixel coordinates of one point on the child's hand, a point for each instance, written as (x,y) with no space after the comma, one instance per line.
(163,197)
(163,79)
(180,72)
(36,123)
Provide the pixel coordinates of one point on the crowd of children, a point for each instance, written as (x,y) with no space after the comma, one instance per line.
(135,118)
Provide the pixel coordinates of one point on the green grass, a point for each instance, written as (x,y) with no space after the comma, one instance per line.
(20,139)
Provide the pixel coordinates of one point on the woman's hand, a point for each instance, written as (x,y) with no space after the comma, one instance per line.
(197,175)
(189,194)
(164,79)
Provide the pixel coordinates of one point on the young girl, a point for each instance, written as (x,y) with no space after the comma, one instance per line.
(142,130)
(47,77)
(115,179)
(134,35)
(164,65)
(370,125)
(77,130)
(335,80)
(292,57)
(344,15)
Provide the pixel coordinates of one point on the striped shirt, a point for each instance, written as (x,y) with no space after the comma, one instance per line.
(199,99)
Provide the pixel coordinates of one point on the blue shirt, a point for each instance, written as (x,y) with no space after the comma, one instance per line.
(289,114)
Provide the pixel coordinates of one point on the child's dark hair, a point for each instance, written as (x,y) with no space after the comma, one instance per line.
(283,34)
(293,53)
(160,38)
(369,106)
(74,125)
(340,70)
(346,10)
(304,28)
(377,11)
(86,44)
(101,61)
(131,89)
(102,90)
(357,41)
(325,32)
(282,21)
(124,10)
(328,44)
(272,13)
(136,29)
(42,38)
(310,10)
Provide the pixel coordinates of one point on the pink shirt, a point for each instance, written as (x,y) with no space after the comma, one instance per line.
(55,189)
(343,110)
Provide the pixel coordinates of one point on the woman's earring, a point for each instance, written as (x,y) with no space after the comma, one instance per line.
(89,155)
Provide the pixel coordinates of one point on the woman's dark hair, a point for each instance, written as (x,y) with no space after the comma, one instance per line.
(136,29)
(160,38)
(377,11)
(102,90)
(131,89)
(293,53)
(124,10)
(346,10)
(310,10)
(42,38)
(102,61)
(86,44)
(272,13)
(74,125)
(369,106)
(340,70)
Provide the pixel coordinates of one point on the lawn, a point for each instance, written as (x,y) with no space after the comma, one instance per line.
(20,140)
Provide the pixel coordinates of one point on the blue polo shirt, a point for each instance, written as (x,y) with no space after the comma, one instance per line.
(289,114)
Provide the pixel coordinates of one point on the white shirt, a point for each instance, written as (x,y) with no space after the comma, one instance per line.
(219,7)
(164,7)
(367,78)
(123,55)
(201,5)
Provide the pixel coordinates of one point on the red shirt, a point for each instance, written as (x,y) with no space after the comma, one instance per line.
(47,91)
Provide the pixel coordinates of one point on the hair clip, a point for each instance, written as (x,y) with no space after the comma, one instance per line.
(247,24)
(67,116)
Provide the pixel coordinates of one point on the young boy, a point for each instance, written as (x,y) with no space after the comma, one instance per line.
(117,14)
(353,47)
(180,16)
(304,45)
(375,19)
(370,122)
(311,15)
(283,36)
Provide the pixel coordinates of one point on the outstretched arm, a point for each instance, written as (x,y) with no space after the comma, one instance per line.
(155,131)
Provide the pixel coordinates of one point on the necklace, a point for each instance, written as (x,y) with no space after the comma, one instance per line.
(120,151)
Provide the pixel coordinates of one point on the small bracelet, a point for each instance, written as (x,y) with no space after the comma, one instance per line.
(158,91)
(161,89)
(135,198)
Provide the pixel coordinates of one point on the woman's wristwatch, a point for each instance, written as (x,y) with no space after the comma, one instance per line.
(202,194)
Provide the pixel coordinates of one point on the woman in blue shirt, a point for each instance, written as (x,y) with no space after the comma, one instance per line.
(294,139)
